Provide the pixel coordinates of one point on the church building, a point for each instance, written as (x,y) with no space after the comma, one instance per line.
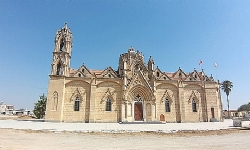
(136,91)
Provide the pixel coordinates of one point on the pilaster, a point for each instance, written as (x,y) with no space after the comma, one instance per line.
(153,111)
(144,110)
(182,104)
(92,103)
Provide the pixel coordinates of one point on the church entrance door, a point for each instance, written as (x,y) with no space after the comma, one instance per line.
(212,112)
(138,112)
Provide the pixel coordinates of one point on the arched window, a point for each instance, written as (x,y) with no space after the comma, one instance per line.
(167,105)
(194,106)
(136,69)
(61,45)
(77,104)
(157,74)
(108,105)
(180,75)
(55,101)
(59,69)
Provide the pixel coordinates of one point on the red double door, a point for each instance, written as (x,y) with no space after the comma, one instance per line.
(138,111)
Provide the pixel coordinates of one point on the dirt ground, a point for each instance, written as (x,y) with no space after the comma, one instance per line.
(40,140)
(15,117)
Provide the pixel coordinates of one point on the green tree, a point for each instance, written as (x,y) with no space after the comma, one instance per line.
(245,107)
(227,86)
(40,107)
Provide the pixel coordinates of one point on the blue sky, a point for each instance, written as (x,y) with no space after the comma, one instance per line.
(175,33)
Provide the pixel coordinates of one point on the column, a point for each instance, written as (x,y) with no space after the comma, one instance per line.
(126,110)
(123,112)
(133,111)
(144,110)
(153,111)
(182,105)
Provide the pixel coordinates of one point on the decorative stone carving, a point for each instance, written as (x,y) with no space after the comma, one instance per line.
(167,94)
(194,95)
(108,94)
(77,94)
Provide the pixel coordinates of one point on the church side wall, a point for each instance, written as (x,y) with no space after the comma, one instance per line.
(194,92)
(213,101)
(108,90)
(55,99)
(163,92)
(73,90)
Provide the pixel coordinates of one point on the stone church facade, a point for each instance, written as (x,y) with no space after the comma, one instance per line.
(136,91)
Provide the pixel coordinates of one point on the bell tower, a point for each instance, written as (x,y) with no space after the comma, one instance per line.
(62,52)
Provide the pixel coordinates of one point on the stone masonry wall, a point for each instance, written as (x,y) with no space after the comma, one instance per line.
(105,90)
(75,89)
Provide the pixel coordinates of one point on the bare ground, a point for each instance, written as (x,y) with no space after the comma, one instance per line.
(11,139)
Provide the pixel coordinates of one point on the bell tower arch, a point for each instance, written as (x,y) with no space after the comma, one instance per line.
(62,52)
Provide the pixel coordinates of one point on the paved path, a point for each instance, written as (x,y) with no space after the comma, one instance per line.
(114,127)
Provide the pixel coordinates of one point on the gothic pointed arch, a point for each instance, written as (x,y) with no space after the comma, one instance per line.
(62,44)
(139,79)
(59,68)
(77,83)
(108,95)
(109,73)
(179,74)
(194,76)
(194,96)
(105,81)
(140,92)
(166,85)
(159,75)
(167,95)
(78,94)
(83,71)
(139,85)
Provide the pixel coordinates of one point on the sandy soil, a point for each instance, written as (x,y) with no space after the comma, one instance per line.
(15,117)
(11,139)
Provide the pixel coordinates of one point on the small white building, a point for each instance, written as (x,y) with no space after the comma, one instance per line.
(6,109)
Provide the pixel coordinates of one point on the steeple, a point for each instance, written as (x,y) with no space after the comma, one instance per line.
(151,63)
(150,67)
(63,39)
(62,52)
